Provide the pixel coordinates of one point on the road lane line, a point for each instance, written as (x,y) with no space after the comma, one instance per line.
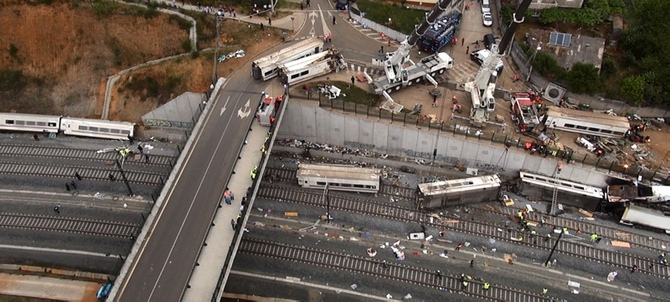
(195,196)
(150,232)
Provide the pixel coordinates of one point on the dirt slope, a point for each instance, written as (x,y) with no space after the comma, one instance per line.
(54,59)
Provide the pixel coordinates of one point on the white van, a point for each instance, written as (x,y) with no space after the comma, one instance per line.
(486,6)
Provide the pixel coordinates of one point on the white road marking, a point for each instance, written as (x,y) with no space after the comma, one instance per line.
(244,111)
(223,109)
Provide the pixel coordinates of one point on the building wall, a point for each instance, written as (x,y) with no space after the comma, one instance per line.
(308,122)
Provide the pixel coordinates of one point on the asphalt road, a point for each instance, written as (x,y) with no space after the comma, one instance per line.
(163,267)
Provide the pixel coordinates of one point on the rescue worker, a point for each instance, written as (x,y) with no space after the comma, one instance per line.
(594,237)
(458,247)
(565,230)
(254,172)
(453,100)
(472,263)
(486,286)
(544,291)
(533,232)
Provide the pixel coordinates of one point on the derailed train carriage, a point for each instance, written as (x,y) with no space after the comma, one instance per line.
(459,191)
(21,122)
(339,178)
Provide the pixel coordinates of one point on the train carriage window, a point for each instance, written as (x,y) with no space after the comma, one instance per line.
(104,130)
(304,73)
(359,186)
(581,127)
(114,131)
(295,76)
(594,129)
(41,124)
(569,126)
(346,185)
(30,123)
(9,122)
(605,131)
(83,128)
(126,132)
(20,123)
(319,183)
(52,124)
(93,129)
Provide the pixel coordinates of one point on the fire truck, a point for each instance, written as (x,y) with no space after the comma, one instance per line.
(525,111)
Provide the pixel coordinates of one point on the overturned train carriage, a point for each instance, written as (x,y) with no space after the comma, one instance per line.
(339,178)
(459,191)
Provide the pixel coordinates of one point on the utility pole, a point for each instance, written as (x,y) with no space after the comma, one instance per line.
(546,263)
(125,180)
(437,135)
(554,198)
(216,48)
(325,195)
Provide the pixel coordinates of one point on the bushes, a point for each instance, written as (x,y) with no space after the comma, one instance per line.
(12,80)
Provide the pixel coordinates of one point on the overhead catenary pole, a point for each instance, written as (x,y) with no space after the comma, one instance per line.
(553,249)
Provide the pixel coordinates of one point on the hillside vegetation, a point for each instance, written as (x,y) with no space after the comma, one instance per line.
(55,56)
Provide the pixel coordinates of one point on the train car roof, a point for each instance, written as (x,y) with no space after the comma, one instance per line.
(94,121)
(338,171)
(563,185)
(647,217)
(459,185)
(27,115)
(589,116)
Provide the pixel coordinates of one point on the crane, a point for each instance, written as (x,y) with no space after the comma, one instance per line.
(400,71)
(484,85)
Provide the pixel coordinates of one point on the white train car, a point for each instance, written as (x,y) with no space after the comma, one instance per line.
(97,128)
(29,122)
(307,68)
(459,191)
(637,215)
(267,67)
(339,177)
(587,122)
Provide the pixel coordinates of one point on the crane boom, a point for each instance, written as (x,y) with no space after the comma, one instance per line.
(394,66)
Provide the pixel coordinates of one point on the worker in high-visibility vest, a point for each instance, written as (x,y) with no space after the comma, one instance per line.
(254,172)
(544,291)
(594,237)
(486,286)
(465,283)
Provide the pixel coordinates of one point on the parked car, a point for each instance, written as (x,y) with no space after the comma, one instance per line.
(487,19)
(486,6)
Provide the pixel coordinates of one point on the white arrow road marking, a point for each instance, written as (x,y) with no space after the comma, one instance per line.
(312,17)
(326,30)
(245,111)
(223,109)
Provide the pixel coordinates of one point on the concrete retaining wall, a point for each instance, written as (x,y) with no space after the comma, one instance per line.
(315,124)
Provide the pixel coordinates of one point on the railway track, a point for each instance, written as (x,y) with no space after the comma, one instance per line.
(574,224)
(393,271)
(63,171)
(478,228)
(68,225)
(78,154)
(388,190)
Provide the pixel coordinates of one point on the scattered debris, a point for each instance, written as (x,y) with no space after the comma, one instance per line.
(620,243)
(354,286)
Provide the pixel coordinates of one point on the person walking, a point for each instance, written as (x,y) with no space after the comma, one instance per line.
(634,269)
(486,286)
(57,209)
(472,263)
(353,80)
(334,20)
(544,291)
(462,41)
(269,21)
(442,231)
(467,49)
(458,247)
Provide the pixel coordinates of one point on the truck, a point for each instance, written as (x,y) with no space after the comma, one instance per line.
(400,71)
(484,85)
(441,32)
(310,67)
(524,112)
(267,67)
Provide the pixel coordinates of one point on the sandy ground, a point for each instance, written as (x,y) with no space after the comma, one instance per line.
(48,288)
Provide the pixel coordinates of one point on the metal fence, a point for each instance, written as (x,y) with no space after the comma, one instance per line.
(497,137)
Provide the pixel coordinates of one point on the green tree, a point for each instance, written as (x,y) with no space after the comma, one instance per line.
(633,88)
(583,78)
(602,7)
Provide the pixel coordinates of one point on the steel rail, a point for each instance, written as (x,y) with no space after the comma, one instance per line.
(478,228)
(574,224)
(68,225)
(68,171)
(393,271)
(15,150)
